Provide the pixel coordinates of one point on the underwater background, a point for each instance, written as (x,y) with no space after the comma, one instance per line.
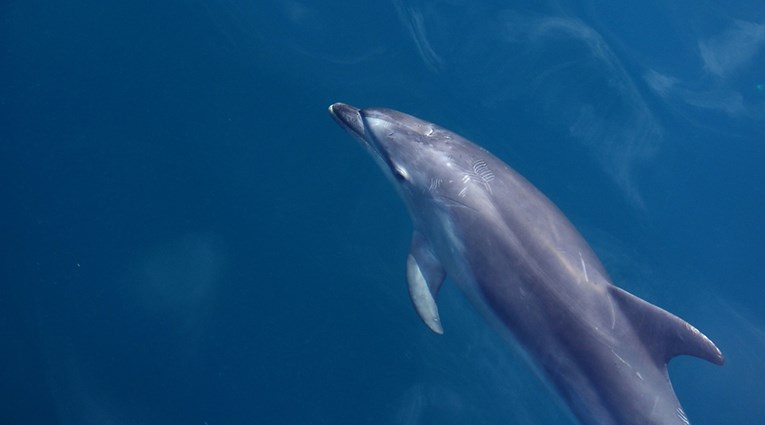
(188,238)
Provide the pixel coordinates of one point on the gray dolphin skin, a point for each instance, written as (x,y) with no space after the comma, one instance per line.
(525,267)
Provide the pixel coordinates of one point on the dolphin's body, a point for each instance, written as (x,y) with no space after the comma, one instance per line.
(528,270)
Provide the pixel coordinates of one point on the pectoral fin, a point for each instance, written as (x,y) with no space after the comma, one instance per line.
(425,276)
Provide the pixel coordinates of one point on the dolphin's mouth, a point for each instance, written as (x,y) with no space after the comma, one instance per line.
(349,118)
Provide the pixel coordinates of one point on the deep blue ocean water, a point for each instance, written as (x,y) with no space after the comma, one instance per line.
(188,238)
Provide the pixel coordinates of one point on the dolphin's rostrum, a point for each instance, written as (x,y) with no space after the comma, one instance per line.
(528,270)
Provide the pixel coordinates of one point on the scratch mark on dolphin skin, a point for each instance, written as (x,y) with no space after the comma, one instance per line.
(681,414)
(655,402)
(584,267)
(484,173)
(482,170)
(613,312)
(434,184)
(621,359)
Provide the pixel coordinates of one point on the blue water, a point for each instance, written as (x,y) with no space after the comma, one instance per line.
(188,238)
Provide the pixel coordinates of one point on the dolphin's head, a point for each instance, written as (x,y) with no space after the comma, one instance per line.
(424,161)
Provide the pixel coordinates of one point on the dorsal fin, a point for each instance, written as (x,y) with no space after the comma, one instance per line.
(664,334)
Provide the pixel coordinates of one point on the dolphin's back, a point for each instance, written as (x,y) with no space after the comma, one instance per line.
(605,349)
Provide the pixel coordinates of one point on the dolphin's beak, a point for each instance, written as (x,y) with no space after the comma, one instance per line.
(349,118)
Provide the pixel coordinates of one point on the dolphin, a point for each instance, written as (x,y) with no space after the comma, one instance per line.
(529,272)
